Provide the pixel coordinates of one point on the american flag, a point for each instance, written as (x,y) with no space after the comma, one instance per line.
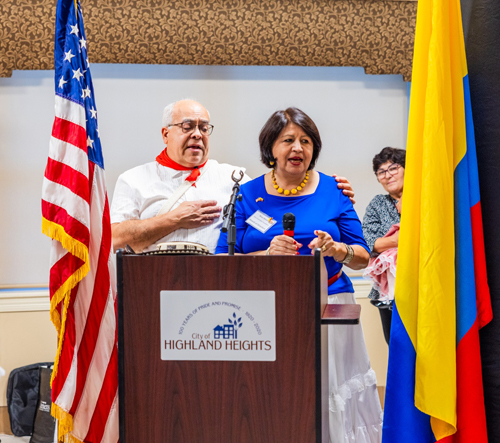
(75,214)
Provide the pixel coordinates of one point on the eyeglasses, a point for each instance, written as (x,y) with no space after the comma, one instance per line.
(392,170)
(189,126)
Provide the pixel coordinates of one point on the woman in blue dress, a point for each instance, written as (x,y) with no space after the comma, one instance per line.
(325,218)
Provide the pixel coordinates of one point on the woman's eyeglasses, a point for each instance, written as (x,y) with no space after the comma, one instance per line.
(392,170)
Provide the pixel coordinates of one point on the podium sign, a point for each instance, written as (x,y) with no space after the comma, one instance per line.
(218,325)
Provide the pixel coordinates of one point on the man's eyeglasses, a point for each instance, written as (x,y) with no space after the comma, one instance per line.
(392,170)
(189,126)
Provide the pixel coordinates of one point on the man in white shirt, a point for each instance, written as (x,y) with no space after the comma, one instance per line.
(141,193)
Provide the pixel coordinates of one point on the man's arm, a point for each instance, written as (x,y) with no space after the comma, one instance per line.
(139,234)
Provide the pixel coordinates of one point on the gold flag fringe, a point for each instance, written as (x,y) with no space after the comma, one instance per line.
(78,249)
(60,338)
(64,425)
(64,291)
(57,232)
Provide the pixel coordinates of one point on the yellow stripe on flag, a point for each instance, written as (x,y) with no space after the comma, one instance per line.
(425,284)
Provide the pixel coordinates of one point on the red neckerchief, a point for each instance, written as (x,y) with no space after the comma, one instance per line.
(164,160)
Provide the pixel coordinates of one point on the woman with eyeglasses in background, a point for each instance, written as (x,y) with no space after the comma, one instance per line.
(382,213)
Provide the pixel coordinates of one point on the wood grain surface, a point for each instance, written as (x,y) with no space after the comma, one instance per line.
(222,401)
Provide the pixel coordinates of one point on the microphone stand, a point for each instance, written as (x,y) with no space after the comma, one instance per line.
(229,224)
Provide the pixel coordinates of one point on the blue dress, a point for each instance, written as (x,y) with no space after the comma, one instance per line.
(327,209)
(355,415)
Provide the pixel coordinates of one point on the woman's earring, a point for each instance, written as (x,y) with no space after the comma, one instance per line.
(271,163)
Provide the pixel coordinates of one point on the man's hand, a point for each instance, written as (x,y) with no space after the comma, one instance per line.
(345,185)
(195,214)
(140,234)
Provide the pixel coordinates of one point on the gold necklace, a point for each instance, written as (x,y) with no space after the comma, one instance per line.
(289,191)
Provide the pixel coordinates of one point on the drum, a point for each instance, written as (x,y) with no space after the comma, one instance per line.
(180,248)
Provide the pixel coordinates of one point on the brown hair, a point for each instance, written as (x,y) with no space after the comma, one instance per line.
(273,127)
(394,155)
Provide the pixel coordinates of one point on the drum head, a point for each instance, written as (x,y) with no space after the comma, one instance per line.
(180,248)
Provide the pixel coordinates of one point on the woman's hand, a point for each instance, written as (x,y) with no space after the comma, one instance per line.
(384,243)
(328,246)
(338,251)
(283,245)
(399,205)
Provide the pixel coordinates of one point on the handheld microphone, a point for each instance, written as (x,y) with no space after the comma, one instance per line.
(288,224)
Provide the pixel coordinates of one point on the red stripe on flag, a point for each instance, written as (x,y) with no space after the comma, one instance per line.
(91,178)
(71,225)
(96,310)
(69,132)
(471,415)
(105,400)
(68,177)
(483,301)
(64,268)
(74,383)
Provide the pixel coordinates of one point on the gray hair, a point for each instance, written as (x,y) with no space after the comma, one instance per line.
(169,110)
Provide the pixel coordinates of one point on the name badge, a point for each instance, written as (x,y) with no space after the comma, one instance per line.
(260,221)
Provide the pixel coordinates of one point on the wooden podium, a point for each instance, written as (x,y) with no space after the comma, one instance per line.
(285,400)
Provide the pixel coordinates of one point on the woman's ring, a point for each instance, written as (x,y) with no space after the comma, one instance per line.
(323,248)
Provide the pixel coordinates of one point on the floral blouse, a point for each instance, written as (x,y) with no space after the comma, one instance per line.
(380,215)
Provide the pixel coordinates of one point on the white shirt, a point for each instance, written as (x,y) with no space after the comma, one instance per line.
(142,191)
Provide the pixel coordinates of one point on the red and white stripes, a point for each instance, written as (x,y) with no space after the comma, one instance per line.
(82,287)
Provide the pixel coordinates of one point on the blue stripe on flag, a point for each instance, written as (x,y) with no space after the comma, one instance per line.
(471,147)
(464,254)
(407,424)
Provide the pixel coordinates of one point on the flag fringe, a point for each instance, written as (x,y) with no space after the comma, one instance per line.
(57,232)
(64,425)
(69,438)
(60,325)
(78,249)
(63,291)
(60,338)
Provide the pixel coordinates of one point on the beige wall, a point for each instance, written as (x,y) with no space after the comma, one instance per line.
(25,338)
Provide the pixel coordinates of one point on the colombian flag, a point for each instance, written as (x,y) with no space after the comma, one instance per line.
(434,383)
